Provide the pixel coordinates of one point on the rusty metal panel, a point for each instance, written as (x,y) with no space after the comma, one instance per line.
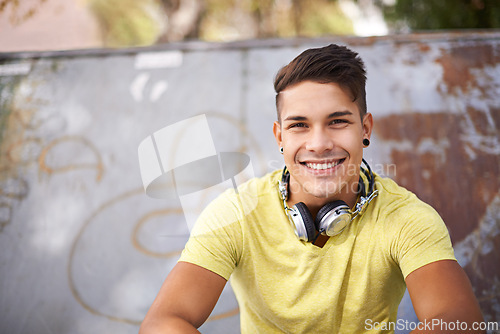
(78,233)
(448,151)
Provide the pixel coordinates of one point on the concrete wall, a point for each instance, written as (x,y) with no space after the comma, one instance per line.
(84,250)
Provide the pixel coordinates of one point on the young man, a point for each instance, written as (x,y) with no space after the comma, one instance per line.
(348,270)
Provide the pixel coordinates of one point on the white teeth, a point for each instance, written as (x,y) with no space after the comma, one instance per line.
(322,166)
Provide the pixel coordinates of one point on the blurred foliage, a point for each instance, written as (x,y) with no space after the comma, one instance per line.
(18,13)
(442,14)
(128,22)
(232,19)
(184,17)
(325,18)
(136,23)
(146,22)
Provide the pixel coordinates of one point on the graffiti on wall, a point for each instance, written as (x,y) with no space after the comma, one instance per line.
(70,188)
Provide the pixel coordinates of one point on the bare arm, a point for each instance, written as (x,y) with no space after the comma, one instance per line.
(186,299)
(441,290)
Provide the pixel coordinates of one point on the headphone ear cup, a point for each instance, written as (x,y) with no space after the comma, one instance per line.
(333,217)
(307,221)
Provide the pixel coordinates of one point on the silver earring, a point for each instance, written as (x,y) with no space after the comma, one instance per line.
(281,150)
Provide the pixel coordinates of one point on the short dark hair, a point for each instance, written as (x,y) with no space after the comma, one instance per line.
(329,64)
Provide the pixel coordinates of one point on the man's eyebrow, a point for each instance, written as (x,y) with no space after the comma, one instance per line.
(340,114)
(295,118)
(332,115)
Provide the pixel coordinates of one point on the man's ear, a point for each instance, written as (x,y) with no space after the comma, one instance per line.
(367,125)
(277,133)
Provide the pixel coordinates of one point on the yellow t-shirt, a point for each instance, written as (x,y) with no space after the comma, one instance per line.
(285,285)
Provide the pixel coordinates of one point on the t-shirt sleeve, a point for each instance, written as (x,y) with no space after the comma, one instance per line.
(215,240)
(421,237)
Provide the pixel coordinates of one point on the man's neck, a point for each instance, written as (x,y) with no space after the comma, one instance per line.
(314,204)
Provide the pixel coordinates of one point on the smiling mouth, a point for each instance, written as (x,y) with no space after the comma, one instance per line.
(324,165)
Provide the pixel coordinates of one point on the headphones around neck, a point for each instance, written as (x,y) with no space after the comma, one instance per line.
(333,217)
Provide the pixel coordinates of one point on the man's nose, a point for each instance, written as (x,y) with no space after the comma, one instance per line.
(319,141)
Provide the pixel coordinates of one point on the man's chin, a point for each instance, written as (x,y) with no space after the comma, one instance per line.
(325,193)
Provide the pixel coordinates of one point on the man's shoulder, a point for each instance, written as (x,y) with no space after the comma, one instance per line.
(256,186)
(248,193)
(397,199)
(403,216)
(389,186)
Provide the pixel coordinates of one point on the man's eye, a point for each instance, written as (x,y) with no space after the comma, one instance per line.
(340,121)
(298,125)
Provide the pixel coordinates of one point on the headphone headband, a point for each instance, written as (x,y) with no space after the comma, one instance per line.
(331,218)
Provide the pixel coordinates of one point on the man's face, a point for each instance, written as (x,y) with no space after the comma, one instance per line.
(321,133)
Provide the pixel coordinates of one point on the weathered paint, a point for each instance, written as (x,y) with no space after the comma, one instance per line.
(453,161)
(79,234)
